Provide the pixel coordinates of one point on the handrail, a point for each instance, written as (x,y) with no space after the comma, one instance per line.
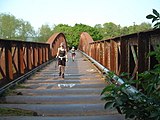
(128,53)
(19,59)
(23,77)
(118,81)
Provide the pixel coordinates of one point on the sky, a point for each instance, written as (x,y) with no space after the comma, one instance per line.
(89,12)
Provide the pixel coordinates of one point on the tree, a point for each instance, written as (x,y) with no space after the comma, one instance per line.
(12,28)
(144,26)
(24,30)
(155,18)
(110,30)
(98,26)
(67,30)
(73,33)
(138,28)
(5,21)
(44,33)
(79,28)
(124,31)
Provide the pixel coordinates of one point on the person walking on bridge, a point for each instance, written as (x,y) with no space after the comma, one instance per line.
(62,58)
(73,53)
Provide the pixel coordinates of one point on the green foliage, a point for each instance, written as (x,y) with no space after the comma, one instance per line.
(144,105)
(18,28)
(155,18)
(5,21)
(16,112)
(68,32)
(44,33)
(24,30)
(109,30)
(79,28)
(98,32)
(73,33)
(137,28)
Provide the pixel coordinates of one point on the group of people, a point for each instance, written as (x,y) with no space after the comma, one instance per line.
(63,58)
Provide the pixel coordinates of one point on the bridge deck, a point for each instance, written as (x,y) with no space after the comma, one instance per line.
(77,96)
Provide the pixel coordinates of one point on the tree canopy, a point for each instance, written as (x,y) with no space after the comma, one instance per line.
(12,28)
(23,30)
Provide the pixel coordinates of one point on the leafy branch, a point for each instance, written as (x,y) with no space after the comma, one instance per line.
(138,106)
(155,18)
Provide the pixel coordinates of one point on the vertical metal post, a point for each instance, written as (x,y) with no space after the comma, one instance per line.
(35,55)
(20,59)
(113,56)
(8,61)
(143,50)
(29,64)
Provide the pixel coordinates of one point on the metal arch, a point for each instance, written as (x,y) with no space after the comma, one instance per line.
(85,40)
(55,40)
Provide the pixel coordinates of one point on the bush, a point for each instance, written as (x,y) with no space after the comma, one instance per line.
(142,105)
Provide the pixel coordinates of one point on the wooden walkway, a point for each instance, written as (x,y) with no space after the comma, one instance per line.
(77,96)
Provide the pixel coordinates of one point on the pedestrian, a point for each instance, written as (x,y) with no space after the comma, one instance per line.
(73,53)
(62,58)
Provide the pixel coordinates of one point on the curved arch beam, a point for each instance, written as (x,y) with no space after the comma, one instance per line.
(55,40)
(85,40)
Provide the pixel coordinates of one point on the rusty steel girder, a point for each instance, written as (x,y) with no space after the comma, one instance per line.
(125,53)
(18,58)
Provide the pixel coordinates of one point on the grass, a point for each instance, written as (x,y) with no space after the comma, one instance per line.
(16,112)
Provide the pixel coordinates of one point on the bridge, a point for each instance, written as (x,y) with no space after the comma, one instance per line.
(77,96)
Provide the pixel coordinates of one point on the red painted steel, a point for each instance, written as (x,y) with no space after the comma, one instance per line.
(125,53)
(55,41)
(120,54)
(18,57)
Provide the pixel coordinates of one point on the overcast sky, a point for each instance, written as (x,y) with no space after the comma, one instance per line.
(89,12)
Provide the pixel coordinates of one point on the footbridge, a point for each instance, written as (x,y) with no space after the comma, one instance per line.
(31,69)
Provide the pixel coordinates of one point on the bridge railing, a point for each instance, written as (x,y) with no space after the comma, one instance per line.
(18,58)
(127,53)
